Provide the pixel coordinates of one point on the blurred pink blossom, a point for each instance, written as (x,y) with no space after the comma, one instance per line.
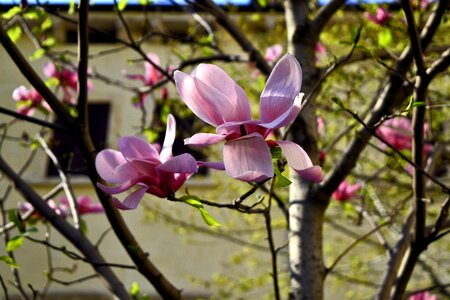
(423,296)
(60,210)
(85,205)
(28,100)
(151,77)
(320,50)
(139,164)
(273,53)
(380,17)
(398,132)
(216,99)
(345,191)
(67,81)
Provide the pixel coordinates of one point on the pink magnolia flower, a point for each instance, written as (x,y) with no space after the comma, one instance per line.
(85,205)
(345,191)
(60,210)
(216,99)
(423,296)
(28,100)
(398,132)
(150,77)
(320,50)
(139,164)
(273,53)
(423,4)
(67,80)
(380,17)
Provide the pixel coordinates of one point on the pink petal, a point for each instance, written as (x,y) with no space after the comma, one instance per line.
(184,163)
(353,188)
(131,201)
(203,108)
(151,73)
(299,160)
(136,147)
(282,87)
(273,52)
(121,188)
(166,152)
(139,77)
(217,165)
(20,93)
(223,93)
(50,70)
(145,167)
(248,158)
(288,116)
(204,139)
(106,162)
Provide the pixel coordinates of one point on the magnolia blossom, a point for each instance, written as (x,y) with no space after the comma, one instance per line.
(60,210)
(398,133)
(28,99)
(273,53)
(67,81)
(85,205)
(216,99)
(423,296)
(423,4)
(345,191)
(139,164)
(380,17)
(320,50)
(150,77)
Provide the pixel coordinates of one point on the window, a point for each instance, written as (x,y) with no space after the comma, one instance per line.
(68,154)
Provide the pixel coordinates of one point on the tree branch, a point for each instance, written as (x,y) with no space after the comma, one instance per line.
(73,235)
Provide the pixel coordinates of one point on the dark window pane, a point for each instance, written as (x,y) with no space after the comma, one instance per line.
(68,154)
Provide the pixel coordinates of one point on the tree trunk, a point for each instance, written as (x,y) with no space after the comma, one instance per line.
(306,213)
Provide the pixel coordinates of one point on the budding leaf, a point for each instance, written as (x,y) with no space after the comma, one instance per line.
(134,289)
(194,201)
(9,261)
(121,5)
(281,180)
(385,37)
(14,243)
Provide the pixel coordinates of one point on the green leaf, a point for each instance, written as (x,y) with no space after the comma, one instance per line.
(281,180)
(151,135)
(37,54)
(194,201)
(72,7)
(9,261)
(14,243)
(122,4)
(83,226)
(15,33)
(276,152)
(49,42)
(31,14)
(12,12)
(356,34)
(15,218)
(385,37)
(262,3)
(134,289)
(73,111)
(418,104)
(47,24)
